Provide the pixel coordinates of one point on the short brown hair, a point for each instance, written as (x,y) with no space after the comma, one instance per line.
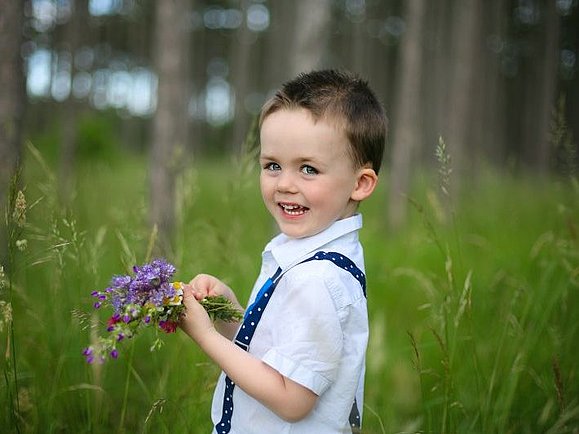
(344,98)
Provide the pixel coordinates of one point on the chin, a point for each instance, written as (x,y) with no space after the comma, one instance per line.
(300,233)
(293,233)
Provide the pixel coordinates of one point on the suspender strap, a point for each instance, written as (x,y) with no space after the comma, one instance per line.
(252,317)
(244,335)
(342,262)
(254,312)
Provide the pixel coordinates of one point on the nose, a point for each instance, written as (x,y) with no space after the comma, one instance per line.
(286,182)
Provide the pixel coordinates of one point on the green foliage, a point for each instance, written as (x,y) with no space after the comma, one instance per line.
(497,288)
(96,138)
(474,320)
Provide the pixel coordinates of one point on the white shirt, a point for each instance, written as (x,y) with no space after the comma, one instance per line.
(313,331)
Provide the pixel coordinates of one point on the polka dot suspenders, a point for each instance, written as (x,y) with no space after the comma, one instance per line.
(251,319)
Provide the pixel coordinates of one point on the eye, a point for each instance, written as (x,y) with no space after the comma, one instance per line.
(309,170)
(271,166)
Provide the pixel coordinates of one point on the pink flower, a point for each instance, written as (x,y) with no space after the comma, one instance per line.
(168,326)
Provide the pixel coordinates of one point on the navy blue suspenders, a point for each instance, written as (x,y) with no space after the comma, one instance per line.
(253,315)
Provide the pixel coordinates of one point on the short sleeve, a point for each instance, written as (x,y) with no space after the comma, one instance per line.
(308,339)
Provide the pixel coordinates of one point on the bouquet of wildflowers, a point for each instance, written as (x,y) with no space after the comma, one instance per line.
(149,298)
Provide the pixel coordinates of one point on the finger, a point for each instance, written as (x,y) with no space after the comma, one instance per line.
(193,291)
(201,283)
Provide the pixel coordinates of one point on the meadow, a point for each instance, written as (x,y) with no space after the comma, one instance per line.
(474,303)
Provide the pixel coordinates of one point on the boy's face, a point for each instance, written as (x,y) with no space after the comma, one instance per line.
(307,176)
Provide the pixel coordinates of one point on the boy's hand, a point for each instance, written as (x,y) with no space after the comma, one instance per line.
(201,286)
(204,285)
(195,322)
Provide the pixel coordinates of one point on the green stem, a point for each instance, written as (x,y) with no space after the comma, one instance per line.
(16,410)
(13,391)
(126,393)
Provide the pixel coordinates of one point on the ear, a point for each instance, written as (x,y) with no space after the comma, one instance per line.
(365,184)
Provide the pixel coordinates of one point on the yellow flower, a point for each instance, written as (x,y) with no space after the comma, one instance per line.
(178,298)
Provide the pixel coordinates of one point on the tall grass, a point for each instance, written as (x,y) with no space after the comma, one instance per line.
(474,319)
(488,356)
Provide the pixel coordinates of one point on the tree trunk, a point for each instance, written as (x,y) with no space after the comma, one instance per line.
(437,62)
(240,78)
(407,122)
(282,24)
(359,43)
(12,101)
(169,135)
(311,36)
(74,30)
(547,87)
(493,122)
(465,64)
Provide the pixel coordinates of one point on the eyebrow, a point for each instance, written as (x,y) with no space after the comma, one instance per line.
(265,157)
(300,160)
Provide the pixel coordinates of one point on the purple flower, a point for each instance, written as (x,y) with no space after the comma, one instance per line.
(88,354)
(119,282)
(144,298)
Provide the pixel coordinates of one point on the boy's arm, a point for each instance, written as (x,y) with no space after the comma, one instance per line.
(227,329)
(288,399)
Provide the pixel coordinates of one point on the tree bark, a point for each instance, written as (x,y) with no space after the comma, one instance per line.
(12,101)
(407,122)
(169,135)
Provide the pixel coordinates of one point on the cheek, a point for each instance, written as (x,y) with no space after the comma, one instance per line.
(264,186)
(317,193)
(332,193)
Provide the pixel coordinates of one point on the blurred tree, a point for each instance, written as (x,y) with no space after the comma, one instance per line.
(491,92)
(241,64)
(466,64)
(408,120)
(310,38)
(170,132)
(542,88)
(491,70)
(72,41)
(437,65)
(12,100)
(277,54)
(358,44)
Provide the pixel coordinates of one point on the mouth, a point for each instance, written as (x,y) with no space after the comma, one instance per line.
(293,209)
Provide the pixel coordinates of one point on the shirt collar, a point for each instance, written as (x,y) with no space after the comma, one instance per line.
(289,251)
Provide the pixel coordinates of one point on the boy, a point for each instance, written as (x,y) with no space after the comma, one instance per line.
(296,363)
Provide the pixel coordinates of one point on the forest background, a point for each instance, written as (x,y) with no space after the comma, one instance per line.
(127,129)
